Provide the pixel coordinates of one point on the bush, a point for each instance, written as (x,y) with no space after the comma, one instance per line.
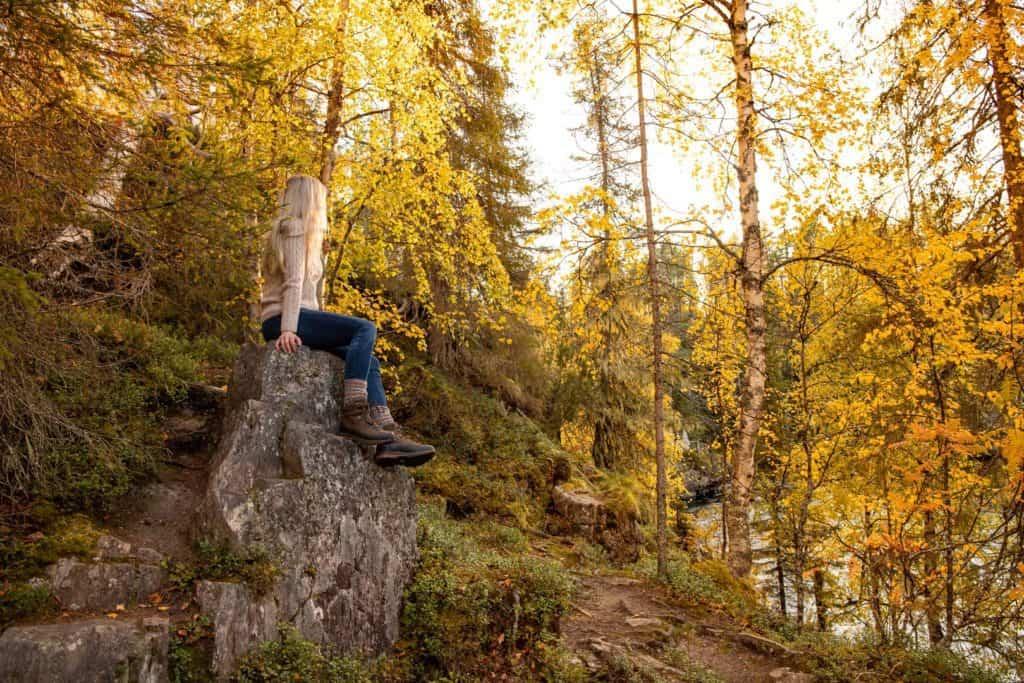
(252,565)
(41,539)
(832,658)
(292,659)
(22,600)
(709,583)
(470,610)
(190,656)
(81,410)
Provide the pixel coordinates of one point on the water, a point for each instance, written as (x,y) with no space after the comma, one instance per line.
(708,528)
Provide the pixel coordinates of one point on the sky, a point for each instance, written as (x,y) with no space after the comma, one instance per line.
(545,96)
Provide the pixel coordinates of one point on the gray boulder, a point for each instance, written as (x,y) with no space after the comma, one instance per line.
(86,652)
(104,585)
(341,529)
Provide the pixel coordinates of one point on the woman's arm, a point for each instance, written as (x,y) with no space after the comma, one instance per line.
(294,252)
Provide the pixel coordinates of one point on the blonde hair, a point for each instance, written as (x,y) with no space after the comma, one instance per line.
(302,210)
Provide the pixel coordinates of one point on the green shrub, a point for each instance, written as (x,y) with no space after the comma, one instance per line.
(252,565)
(832,658)
(292,659)
(22,600)
(190,655)
(44,537)
(708,583)
(469,610)
(81,412)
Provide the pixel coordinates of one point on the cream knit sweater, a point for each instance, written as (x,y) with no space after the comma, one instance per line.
(284,293)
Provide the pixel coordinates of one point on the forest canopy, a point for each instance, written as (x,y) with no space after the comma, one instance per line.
(826,315)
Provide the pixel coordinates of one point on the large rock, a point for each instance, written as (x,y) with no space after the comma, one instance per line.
(616,532)
(104,585)
(86,652)
(341,529)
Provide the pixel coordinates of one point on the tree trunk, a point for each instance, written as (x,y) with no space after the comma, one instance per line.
(653,289)
(798,574)
(780,577)
(931,570)
(1006,113)
(603,449)
(752,276)
(335,98)
(820,608)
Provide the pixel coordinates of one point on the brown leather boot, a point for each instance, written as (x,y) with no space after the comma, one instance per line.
(400,450)
(353,423)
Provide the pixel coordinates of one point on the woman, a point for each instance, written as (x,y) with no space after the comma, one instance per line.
(291,315)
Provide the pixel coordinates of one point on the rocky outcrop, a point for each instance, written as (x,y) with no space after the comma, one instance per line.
(81,586)
(341,529)
(93,651)
(702,486)
(584,514)
(120,574)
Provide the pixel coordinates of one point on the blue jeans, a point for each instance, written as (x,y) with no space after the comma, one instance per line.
(347,337)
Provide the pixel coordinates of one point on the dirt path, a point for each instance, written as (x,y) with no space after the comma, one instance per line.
(621,619)
(161,514)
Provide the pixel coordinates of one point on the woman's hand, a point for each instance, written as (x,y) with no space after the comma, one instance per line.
(288,342)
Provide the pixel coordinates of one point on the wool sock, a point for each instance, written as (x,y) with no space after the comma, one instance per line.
(381,415)
(355,393)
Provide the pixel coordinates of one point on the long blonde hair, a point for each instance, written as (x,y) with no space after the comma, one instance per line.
(302,210)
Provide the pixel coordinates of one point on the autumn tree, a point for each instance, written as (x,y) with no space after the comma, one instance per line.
(605,311)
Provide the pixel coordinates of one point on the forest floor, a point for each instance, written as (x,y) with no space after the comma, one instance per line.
(629,618)
(632,626)
(622,626)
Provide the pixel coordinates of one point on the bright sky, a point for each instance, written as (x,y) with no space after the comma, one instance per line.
(546,98)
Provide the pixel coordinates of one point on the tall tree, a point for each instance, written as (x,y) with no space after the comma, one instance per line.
(752,274)
(335,96)
(653,288)
(1006,91)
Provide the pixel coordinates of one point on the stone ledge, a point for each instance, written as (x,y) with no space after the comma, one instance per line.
(93,651)
(102,586)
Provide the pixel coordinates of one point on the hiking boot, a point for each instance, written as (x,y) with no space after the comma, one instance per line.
(400,450)
(353,423)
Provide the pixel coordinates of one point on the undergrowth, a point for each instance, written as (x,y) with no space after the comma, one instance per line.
(38,537)
(189,656)
(471,608)
(24,600)
(81,412)
(831,658)
(252,565)
(490,459)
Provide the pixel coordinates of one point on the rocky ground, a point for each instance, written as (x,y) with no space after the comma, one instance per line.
(339,533)
(625,619)
(342,534)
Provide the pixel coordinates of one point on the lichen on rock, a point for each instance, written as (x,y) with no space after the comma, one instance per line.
(341,529)
(94,650)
